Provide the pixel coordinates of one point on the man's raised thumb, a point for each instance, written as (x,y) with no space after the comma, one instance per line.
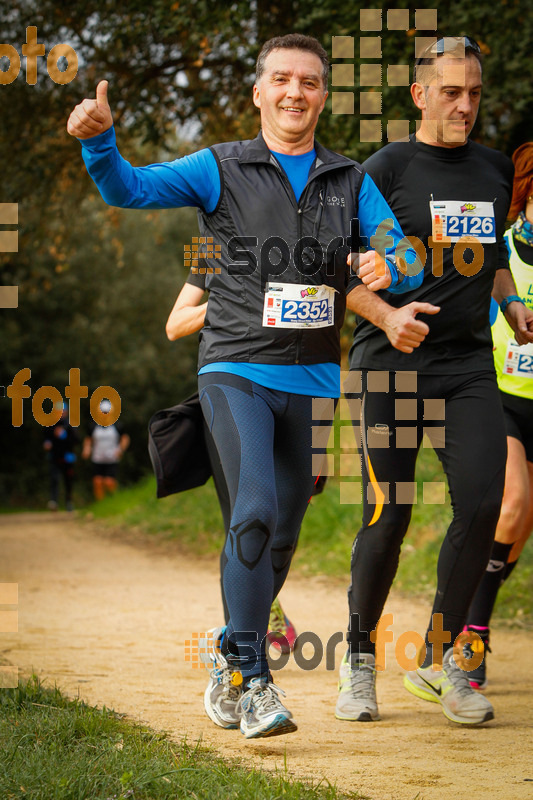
(101,94)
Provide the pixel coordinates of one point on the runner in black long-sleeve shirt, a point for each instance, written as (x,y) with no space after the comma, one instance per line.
(417,374)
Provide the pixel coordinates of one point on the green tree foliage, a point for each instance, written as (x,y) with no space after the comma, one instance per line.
(172,62)
(96,284)
(98,301)
(504,30)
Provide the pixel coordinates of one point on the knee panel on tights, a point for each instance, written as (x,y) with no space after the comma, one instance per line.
(249,541)
(281,557)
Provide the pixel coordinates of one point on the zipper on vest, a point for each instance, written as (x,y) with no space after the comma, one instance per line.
(299,333)
(318,217)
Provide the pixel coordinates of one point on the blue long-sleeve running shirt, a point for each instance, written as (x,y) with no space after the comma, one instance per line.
(194,180)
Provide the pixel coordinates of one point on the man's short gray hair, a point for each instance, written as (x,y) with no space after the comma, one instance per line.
(455,46)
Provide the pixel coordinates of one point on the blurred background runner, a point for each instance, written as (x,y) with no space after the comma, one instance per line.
(105,446)
(60,441)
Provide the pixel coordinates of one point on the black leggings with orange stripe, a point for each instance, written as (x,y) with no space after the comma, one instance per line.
(462,417)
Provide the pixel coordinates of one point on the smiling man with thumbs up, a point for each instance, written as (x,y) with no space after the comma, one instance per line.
(272,208)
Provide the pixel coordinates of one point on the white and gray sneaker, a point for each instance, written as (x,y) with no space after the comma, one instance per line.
(357,689)
(224,689)
(262,712)
(450,686)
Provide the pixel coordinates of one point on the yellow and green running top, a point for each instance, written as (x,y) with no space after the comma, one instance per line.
(514,363)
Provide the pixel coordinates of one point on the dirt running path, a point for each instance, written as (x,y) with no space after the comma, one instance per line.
(107,620)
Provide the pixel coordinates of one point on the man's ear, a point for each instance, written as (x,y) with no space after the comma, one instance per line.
(256,96)
(418,94)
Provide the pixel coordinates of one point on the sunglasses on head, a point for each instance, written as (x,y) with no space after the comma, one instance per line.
(449,44)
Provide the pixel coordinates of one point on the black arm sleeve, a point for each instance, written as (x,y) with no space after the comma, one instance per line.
(197,278)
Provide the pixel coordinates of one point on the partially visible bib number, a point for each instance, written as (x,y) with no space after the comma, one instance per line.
(295,305)
(518,360)
(454,219)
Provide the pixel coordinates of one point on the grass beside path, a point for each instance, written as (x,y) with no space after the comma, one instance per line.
(52,748)
(193,519)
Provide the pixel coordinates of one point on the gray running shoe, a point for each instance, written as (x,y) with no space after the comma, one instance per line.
(451,688)
(262,712)
(224,689)
(357,689)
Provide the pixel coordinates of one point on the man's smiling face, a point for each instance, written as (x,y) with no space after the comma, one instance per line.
(290,95)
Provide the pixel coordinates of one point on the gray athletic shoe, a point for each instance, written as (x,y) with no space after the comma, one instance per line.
(357,689)
(224,689)
(262,712)
(451,688)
